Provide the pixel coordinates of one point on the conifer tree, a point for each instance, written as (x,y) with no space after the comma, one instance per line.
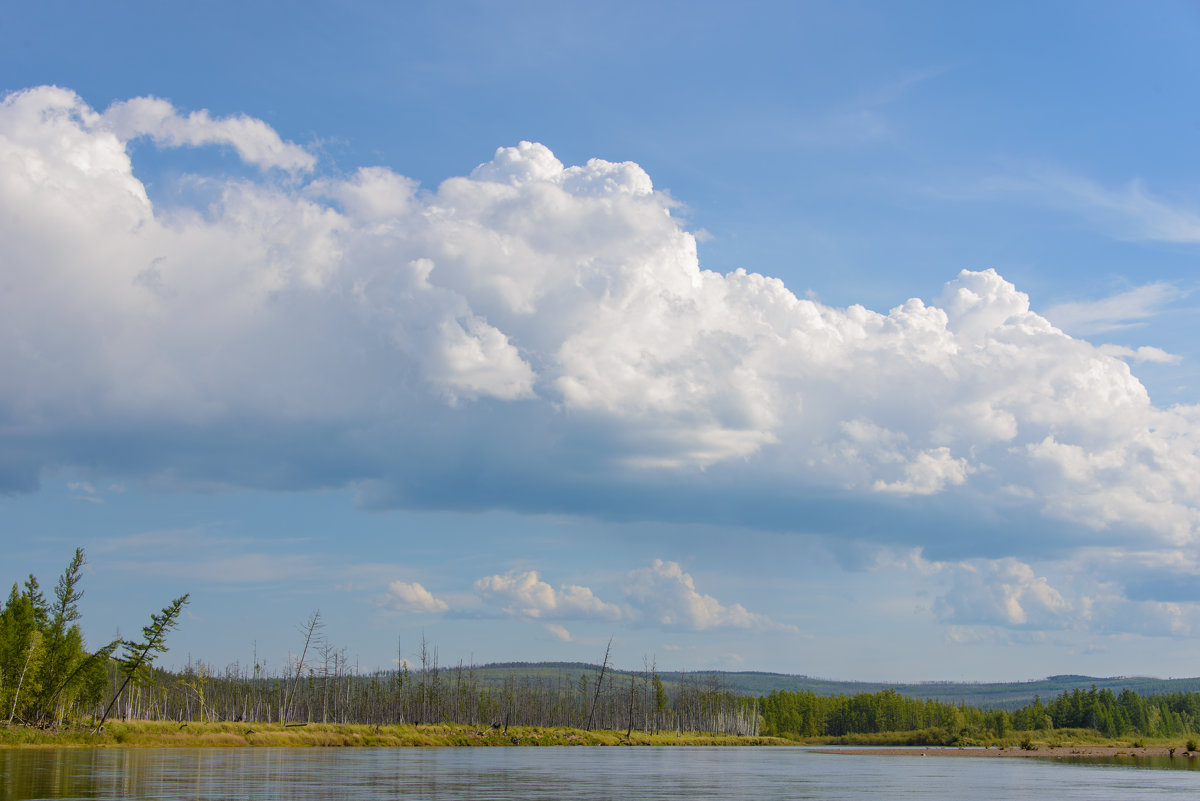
(62,643)
(141,654)
(19,638)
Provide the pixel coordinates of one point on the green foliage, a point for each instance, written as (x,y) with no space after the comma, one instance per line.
(801,715)
(19,641)
(62,644)
(47,674)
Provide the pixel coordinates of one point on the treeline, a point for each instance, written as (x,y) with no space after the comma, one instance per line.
(797,715)
(1160,715)
(48,677)
(330,689)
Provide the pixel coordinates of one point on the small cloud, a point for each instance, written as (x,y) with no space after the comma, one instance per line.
(668,596)
(1146,353)
(403,596)
(930,472)
(524,594)
(558,631)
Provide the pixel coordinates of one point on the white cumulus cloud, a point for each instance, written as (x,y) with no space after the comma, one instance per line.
(1003,592)
(524,594)
(668,596)
(403,596)
(529,335)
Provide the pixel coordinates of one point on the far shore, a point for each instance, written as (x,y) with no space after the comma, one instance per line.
(1063,751)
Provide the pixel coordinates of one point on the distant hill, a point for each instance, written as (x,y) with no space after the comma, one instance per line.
(983,695)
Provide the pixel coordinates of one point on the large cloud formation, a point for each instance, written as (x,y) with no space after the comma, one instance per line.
(532,336)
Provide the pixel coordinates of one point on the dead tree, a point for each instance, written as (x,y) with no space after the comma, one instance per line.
(310,629)
(599,684)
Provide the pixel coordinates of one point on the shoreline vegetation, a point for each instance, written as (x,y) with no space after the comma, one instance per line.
(169,734)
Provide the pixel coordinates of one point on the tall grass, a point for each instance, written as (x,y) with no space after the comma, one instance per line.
(157,734)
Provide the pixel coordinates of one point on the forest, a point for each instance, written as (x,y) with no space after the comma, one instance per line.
(49,678)
(799,715)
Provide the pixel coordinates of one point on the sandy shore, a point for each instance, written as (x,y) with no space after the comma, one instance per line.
(1061,751)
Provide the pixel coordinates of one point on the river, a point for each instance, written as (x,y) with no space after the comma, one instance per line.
(579,774)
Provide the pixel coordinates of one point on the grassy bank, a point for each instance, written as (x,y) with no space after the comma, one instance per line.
(159,734)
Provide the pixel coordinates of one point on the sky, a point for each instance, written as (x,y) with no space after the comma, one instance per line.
(853,340)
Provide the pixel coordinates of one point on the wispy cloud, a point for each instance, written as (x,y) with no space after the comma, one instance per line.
(1129,212)
(1128,309)
(244,568)
(864,119)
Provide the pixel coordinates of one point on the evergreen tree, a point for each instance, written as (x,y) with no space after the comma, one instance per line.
(141,654)
(19,639)
(62,642)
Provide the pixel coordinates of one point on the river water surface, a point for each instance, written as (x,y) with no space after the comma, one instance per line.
(576,773)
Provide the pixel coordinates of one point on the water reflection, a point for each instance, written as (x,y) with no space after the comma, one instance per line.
(1138,761)
(501,774)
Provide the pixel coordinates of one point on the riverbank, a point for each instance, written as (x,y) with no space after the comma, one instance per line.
(164,734)
(1089,751)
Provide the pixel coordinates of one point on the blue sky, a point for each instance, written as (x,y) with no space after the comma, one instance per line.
(847,339)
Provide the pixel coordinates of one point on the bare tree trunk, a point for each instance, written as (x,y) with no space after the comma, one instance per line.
(310,628)
(17,693)
(629,733)
(599,684)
